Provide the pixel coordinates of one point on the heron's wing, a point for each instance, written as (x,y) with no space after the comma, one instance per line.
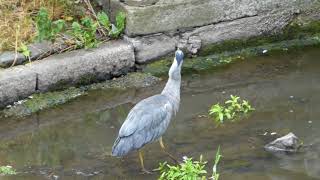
(147,114)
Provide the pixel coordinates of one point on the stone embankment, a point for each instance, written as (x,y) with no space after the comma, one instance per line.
(155,28)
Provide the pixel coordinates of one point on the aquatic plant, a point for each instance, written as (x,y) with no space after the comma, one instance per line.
(189,169)
(233,108)
(215,175)
(7,170)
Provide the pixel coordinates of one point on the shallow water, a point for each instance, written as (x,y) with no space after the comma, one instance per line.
(73,141)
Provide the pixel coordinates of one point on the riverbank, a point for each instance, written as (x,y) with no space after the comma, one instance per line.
(238,38)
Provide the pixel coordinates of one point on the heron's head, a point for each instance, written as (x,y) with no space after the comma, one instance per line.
(179,57)
(175,70)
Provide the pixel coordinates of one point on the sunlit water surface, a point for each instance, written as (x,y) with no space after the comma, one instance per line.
(73,141)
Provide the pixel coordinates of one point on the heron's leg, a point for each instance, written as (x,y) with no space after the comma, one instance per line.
(144,170)
(164,150)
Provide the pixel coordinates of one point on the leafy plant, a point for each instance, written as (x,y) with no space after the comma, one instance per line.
(117,29)
(85,33)
(218,112)
(46,28)
(189,169)
(215,174)
(25,50)
(104,20)
(233,108)
(7,170)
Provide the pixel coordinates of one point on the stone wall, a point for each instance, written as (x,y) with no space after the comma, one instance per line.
(68,69)
(157,27)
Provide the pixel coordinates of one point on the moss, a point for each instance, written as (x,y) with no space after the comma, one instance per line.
(41,101)
(292,31)
(158,68)
(131,80)
(87,79)
(207,63)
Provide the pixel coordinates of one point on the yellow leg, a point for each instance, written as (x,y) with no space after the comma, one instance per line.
(144,170)
(164,150)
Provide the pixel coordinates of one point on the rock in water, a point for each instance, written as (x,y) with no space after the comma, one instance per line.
(287,143)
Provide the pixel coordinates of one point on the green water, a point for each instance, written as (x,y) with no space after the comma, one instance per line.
(73,141)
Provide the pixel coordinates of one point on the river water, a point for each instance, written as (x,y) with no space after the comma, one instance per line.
(74,140)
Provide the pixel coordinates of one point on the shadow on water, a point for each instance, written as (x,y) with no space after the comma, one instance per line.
(73,141)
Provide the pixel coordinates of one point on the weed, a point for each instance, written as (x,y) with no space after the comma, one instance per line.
(233,108)
(103,19)
(7,170)
(215,174)
(46,29)
(25,51)
(85,33)
(189,169)
(117,29)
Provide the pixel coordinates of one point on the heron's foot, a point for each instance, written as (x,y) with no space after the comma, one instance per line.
(145,171)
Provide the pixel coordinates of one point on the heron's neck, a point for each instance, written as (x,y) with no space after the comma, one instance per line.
(172,91)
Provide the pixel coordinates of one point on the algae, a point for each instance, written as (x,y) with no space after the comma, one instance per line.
(210,62)
(294,30)
(40,101)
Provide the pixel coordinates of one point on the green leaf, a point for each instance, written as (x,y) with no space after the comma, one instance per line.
(104,20)
(117,29)
(43,24)
(58,26)
(24,50)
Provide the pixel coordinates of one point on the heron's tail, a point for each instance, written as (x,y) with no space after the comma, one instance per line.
(121,147)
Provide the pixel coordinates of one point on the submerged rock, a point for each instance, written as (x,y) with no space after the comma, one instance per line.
(287,143)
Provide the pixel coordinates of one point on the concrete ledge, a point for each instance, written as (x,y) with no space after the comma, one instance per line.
(16,83)
(77,67)
(173,15)
(271,23)
(152,47)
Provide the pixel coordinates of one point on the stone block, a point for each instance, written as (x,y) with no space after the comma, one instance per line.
(173,15)
(15,84)
(148,48)
(84,66)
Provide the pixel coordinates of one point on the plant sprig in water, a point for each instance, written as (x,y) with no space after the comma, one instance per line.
(232,109)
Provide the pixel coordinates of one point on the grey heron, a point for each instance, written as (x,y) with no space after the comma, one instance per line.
(148,120)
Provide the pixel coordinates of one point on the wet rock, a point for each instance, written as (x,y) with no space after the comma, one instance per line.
(41,101)
(7,58)
(287,143)
(151,47)
(190,44)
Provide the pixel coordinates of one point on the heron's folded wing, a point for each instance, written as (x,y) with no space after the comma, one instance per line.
(148,113)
